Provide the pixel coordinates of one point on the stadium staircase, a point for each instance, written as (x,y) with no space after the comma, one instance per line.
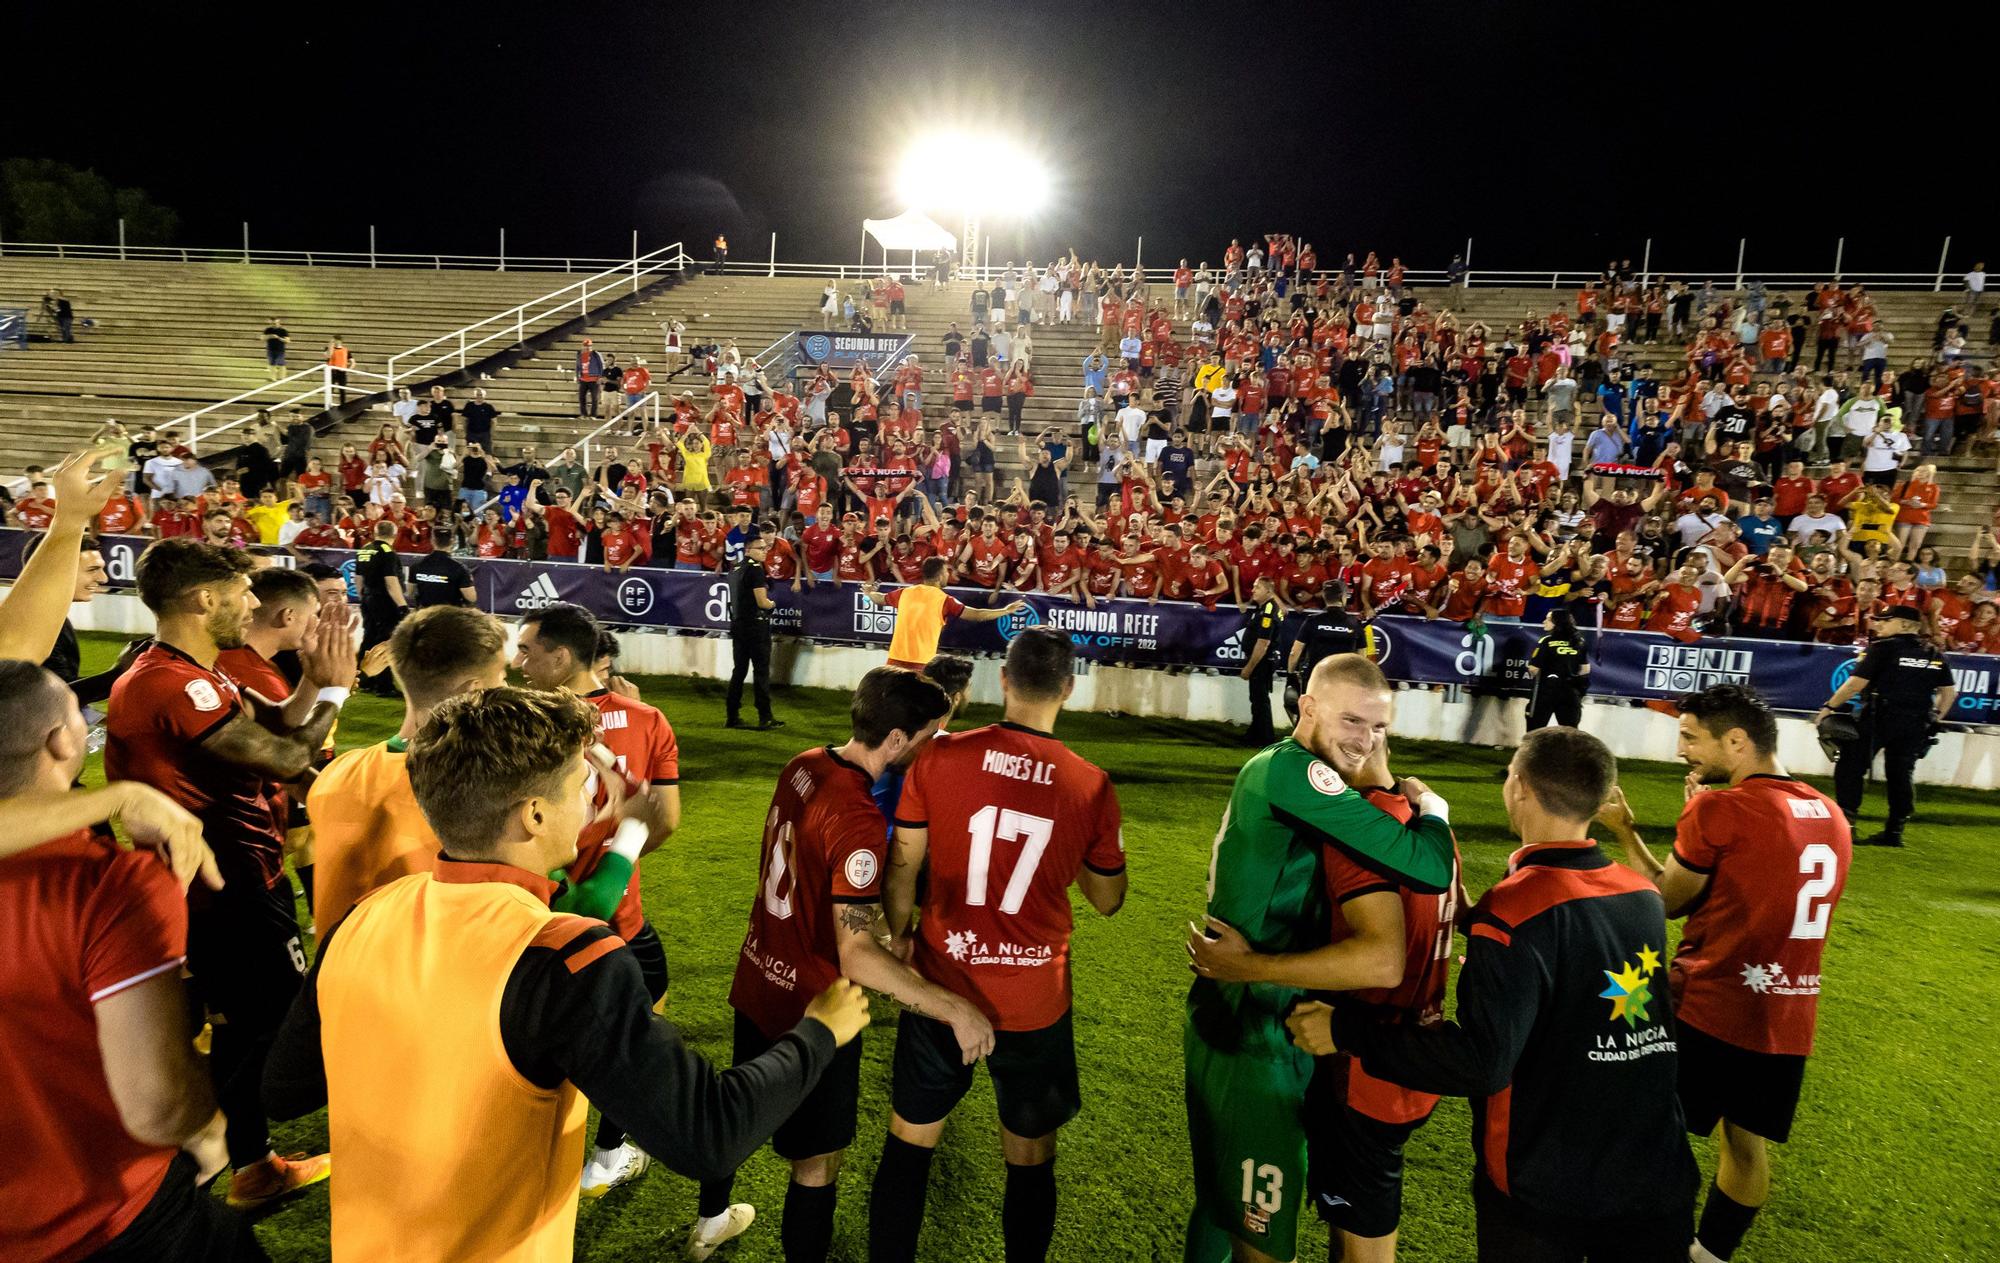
(168,338)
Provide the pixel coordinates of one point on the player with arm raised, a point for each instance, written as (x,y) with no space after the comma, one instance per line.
(181,725)
(1759,861)
(1008,820)
(1246,1083)
(1388,951)
(815,919)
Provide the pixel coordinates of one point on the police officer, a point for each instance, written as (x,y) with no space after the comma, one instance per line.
(750,607)
(1561,673)
(1906,690)
(1323,634)
(438,578)
(379,574)
(1260,667)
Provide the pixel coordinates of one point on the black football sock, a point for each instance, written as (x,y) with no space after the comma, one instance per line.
(1028,1212)
(715,1195)
(609,1134)
(1724,1220)
(305,872)
(896,1203)
(807,1232)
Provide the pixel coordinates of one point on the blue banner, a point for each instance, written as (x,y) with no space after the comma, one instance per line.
(844,350)
(1792,676)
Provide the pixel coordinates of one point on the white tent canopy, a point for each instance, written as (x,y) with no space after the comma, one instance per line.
(911,230)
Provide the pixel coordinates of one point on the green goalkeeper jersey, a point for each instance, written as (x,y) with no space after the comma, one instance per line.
(1264,878)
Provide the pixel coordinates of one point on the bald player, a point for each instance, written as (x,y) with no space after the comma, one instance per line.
(1245,1081)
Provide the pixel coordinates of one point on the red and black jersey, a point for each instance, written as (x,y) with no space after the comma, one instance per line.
(1419,998)
(823,844)
(1563,1040)
(1775,851)
(162,709)
(253,671)
(1012,816)
(648,753)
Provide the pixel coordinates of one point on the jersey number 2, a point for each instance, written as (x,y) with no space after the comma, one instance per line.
(991,823)
(1810,916)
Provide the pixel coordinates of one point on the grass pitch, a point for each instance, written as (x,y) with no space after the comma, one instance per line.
(1894,1156)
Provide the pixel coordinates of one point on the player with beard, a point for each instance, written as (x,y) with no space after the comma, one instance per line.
(1246,1083)
(816,918)
(181,725)
(1759,860)
(1387,955)
(1008,798)
(558,649)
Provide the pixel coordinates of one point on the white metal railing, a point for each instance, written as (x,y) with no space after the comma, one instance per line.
(555,307)
(895,357)
(649,402)
(286,392)
(303,258)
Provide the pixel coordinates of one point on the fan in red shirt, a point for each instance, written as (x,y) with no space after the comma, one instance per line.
(1676,603)
(179,724)
(1511,577)
(1005,819)
(813,922)
(36,509)
(121,515)
(1465,593)
(985,558)
(1759,862)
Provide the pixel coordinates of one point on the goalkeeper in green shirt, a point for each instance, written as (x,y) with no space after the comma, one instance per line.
(1246,1082)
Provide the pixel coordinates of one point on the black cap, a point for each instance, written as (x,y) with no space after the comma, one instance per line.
(1904,611)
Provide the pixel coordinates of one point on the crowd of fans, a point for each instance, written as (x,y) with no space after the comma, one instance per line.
(1335,431)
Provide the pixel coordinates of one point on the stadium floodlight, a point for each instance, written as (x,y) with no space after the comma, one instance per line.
(938,174)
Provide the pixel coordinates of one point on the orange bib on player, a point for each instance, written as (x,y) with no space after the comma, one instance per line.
(446,1152)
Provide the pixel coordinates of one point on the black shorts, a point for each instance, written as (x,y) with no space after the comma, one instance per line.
(1354,1163)
(895,306)
(1510,1232)
(1756,1091)
(1034,1075)
(961,405)
(989,403)
(1880,477)
(824,1121)
(245,953)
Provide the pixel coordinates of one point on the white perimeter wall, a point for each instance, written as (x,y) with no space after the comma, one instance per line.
(1970,760)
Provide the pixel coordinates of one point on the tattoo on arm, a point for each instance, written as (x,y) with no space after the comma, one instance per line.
(860,918)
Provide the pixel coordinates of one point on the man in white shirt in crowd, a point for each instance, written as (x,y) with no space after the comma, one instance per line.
(1816,518)
(1858,418)
(1131,423)
(1824,409)
(1882,454)
(1696,524)
(1975,286)
(1562,445)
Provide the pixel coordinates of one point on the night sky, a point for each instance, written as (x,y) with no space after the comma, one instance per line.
(1548,134)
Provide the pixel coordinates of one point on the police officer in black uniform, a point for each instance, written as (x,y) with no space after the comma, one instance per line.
(1906,690)
(750,606)
(384,601)
(439,578)
(1260,664)
(1561,673)
(1323,634)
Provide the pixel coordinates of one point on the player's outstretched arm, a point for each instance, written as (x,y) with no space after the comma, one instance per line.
(282,757)
(1499,1000)
(1679,885)
(1417,855)
(863,959)
(1373,954)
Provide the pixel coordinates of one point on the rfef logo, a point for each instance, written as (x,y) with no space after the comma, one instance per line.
(635,595)
(1019,621)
